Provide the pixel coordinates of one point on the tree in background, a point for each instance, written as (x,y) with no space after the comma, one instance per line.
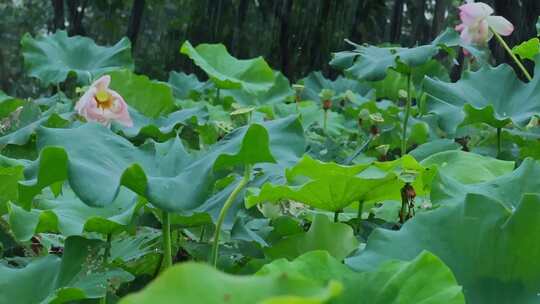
(295,36)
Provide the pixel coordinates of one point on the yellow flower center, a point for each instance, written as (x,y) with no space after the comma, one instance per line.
(104,99)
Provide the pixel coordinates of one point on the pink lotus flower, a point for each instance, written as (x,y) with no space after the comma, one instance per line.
(476,21)
(103,105)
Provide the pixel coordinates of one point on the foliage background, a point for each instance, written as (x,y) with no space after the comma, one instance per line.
(295,36)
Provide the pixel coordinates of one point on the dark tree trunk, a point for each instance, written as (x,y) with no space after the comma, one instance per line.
(418,21)
(319,45)
(359,18)
(438,18)
(58,21)
(284,37)
(76,13)
(237,44)
(135,22)
(397,21)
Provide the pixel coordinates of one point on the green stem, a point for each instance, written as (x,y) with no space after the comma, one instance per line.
(509,51)
(359,215)
(499,141)
(218,93)
(228,203)
(406,118)
(105,261)
(166,233)
(325,120)
(336,216)
(203,231)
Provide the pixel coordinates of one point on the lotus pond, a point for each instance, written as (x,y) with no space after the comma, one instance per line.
(387,184)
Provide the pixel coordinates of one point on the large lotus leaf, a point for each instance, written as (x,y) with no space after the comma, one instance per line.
(468,168)
(336,238)
(99,162)
(151,98)
(315,82)
(507,188)
(200,283)
(371,63)
(70,216)
(332,187)
(22,125)
(51,279)
(440,145)
(312,114)
(9,104)
(184,85)
(451,38)
(9,177)
(474,98)
(423,280)
(252,75)
(163,127)
(278,93)
(52,58)
(491,249)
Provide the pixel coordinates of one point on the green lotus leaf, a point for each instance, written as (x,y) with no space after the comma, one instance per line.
(336,238)
(151,98)
(468,168)
(332,187)
(527,49)
(70,216)
(188,283)
(184,85)
(51,279)
(451,38)
(227,72)
(423,280)
(313,115)
(278,93)
(163,128)
(19,127)
(474,99)
(52,58)
(9,178)
(506,189)
(371,63)
(425,150)
(315,82)
(486,245)
(99,162)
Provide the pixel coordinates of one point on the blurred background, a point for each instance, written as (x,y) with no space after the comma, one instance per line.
(295,36)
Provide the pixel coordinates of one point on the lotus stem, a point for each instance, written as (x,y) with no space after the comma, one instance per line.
(166,233)
(336,217)
(325,120)
(407,114)
(218,93)
(499,142)
(509,51)
(359,215)
(105,262)
(221,218)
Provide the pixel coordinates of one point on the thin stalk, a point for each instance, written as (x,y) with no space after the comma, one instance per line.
(325,120)
(336,216)
(203,231)
(166,233)
(105,261)
(509,51)
(406,118)
(218,93)
(499,141)
(228,203)
(359,215)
